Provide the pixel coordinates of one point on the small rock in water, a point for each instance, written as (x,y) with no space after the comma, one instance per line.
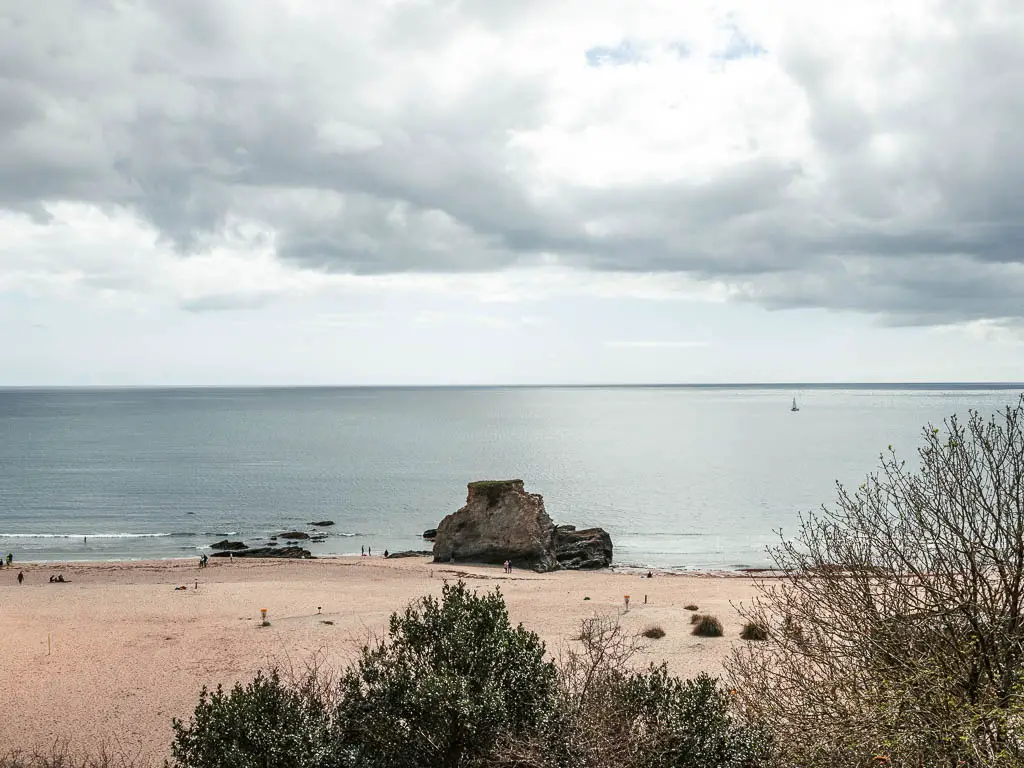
(225,544)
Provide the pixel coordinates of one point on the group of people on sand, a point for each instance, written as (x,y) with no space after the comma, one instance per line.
(7,560)
(204,561)
(58,579)
(507,567)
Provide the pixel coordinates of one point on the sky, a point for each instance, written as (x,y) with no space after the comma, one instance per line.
(430,192)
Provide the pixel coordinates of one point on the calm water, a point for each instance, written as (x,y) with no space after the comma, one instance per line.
(680,477)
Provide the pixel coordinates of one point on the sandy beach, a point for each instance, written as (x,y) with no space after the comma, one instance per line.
(113,655)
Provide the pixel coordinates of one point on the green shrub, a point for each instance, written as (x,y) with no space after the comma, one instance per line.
(753,631)
(694,618)
(450,678)
(708,626)
(682,723)
(654,633)
(266,723)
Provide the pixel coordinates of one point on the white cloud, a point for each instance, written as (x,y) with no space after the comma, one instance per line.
(224,156)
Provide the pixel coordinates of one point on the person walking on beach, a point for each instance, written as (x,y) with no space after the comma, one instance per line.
(21,577)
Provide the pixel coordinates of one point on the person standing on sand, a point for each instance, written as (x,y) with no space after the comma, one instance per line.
(21,577)
(10,559)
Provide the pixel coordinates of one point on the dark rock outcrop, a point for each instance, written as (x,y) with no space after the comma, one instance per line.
(293,535)
(430,534)
(323,523)
(501,521)
(410,553)
(296,553)
(225,544)
(590,548)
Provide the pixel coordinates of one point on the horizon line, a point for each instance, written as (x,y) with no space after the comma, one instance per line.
(606,385)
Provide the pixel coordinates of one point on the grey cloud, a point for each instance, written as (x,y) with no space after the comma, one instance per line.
(219,303)
(194,113)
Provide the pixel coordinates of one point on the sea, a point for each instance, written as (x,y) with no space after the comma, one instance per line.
(682,477)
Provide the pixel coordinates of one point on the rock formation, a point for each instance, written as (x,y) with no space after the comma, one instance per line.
(293,535)
(225,544)
(410,553)
(323,523)
(590,548)
(296,553)
(430,534)
(501,521)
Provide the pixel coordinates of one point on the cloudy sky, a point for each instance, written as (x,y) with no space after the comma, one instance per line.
(488,191)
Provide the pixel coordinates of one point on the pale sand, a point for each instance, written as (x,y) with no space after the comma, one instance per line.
(127,652)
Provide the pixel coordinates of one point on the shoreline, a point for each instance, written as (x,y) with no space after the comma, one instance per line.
(623,569)
(118,649)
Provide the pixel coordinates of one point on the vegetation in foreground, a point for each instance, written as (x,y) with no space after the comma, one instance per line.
(455,684)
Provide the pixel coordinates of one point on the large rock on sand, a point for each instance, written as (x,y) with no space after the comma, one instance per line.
(500,522)
(590,548)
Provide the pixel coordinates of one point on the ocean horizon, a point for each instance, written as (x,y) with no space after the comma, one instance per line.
(683,476)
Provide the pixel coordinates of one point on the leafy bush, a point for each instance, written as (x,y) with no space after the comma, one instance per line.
(654,633)
(266,723)
(753,631)
(678,722)
(708,626)
(694,618)
(451,677)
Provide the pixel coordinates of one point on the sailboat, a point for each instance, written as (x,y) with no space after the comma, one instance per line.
(795,407)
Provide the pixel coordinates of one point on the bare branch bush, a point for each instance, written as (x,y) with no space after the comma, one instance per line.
(900,612)
(609,714)
(61,755)
(584,730)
